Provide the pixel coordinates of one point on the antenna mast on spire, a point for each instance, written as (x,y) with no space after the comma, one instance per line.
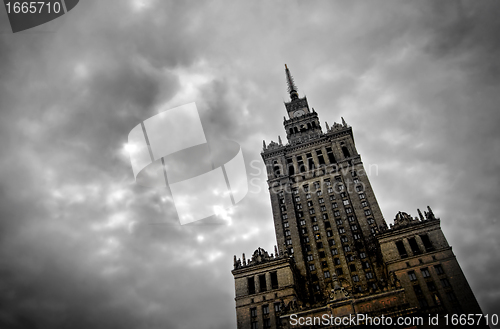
(292,88)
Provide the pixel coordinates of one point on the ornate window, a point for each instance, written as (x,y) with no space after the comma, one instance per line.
(438,269)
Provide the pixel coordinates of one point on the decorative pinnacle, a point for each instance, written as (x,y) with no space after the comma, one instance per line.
(292,88)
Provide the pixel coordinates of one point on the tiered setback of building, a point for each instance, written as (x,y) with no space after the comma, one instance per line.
(337,256)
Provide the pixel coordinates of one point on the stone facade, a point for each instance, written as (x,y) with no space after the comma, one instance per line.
(337,256)
(266,286)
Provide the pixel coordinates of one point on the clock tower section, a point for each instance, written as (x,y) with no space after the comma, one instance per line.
(302,123)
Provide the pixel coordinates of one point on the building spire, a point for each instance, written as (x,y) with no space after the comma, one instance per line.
(292,88)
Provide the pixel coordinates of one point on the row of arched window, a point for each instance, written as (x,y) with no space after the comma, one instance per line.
(304,127)
(277,168)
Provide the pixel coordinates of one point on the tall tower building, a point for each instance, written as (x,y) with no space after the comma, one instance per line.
(335,254)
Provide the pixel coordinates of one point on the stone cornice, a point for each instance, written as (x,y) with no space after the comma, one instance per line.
(420,256)
(289,286)
(281,260)
(409,229)
(288,148)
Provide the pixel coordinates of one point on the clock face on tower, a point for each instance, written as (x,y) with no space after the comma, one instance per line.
(298,113)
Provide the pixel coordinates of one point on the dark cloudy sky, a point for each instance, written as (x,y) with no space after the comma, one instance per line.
(418,81)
